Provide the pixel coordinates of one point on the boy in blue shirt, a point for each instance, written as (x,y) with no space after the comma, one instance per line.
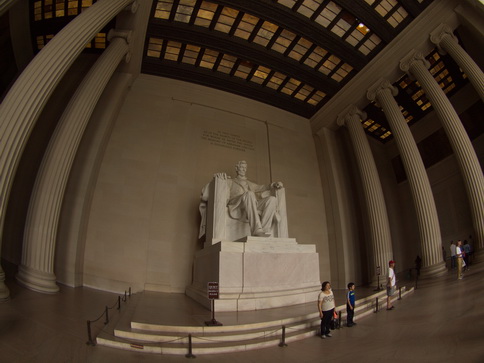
(350,305)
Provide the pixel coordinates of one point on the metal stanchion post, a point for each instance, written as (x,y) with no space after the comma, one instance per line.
(399,293)
(89,336)
(119,302)
(376,306)
(107,316)
(190,354)
(283,340)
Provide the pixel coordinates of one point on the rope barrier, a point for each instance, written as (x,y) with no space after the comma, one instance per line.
(90,340)
(190,354)
(283,339)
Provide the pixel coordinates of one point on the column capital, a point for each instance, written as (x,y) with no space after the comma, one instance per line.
(441,32)
(118,33)
(349,113)
(133,7)
(381,85)
(412,58)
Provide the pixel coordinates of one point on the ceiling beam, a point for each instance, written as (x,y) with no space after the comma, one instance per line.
(237,47)
(368,16)
(301,25)
(221,81)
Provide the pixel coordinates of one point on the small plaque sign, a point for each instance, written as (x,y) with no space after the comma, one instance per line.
(212,290)
(378,271)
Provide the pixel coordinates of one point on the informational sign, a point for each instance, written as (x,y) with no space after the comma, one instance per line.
(378,270)
(212,290)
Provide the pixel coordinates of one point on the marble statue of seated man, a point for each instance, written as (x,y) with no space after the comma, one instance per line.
(247,203)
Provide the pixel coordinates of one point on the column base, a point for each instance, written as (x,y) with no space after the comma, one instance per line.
(478,256)
(4,293)
(37,280)
(432,271)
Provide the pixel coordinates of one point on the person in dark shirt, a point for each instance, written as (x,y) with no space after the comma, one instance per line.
(350,305)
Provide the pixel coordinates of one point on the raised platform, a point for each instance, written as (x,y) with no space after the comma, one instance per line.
(161,323)
(256,273)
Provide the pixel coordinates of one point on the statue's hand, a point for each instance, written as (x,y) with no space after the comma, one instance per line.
(221,176)
(277,185)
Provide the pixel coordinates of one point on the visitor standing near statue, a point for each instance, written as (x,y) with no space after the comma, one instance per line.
(452,255)
(326,307)
(460,259)
(247,201)
(391,284)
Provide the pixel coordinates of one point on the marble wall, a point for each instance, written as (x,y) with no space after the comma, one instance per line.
(169,139)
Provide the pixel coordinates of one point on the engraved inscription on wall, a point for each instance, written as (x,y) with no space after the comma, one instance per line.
(227,139)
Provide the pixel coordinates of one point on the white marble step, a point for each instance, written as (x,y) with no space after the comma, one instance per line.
(163,339)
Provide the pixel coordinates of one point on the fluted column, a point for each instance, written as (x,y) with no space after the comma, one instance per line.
(37,268)
(24,102)
(381,240)
(415,64)
(5,5)
(447,42)
(428,223)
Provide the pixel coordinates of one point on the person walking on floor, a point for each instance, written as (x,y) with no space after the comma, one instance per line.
(452,255)
(326,307)
(391,284)
(350,305)
(460,259)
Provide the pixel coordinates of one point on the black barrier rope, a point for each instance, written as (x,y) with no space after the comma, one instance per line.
(90,340)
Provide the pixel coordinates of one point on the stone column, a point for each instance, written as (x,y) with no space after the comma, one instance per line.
(428,223)
(5,5)
(381,240)
(37,268)
(445,40)
(416,65)
(24,102)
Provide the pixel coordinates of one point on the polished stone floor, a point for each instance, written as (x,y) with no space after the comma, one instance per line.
(442,321)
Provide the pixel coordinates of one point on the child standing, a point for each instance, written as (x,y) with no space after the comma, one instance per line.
(350,305)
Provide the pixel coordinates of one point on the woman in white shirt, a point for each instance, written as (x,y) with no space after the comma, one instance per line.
(326,307)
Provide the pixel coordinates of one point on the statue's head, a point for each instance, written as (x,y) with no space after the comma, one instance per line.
(241,167)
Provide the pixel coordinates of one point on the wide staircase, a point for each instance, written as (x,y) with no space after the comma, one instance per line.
(239,335)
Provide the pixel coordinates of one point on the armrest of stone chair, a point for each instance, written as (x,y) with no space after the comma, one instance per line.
(218,195)
(281,215)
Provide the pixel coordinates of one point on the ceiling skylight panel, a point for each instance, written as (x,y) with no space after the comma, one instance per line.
(316,98)
(276,80)
(184,10)
(304,92)
(283,41)
(205,14)
(260,74)
(191,54)
(301,48)
(163,9)
(290,86)
(246,26)
(328,14)
(308,7)
(265,33)
(227,63)
(209,58)
(172,51)
(315,57)
(226,20)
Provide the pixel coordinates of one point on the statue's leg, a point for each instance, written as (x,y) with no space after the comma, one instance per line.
(267,207)
(249,202)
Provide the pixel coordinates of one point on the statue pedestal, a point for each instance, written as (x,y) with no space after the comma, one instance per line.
(256,273)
